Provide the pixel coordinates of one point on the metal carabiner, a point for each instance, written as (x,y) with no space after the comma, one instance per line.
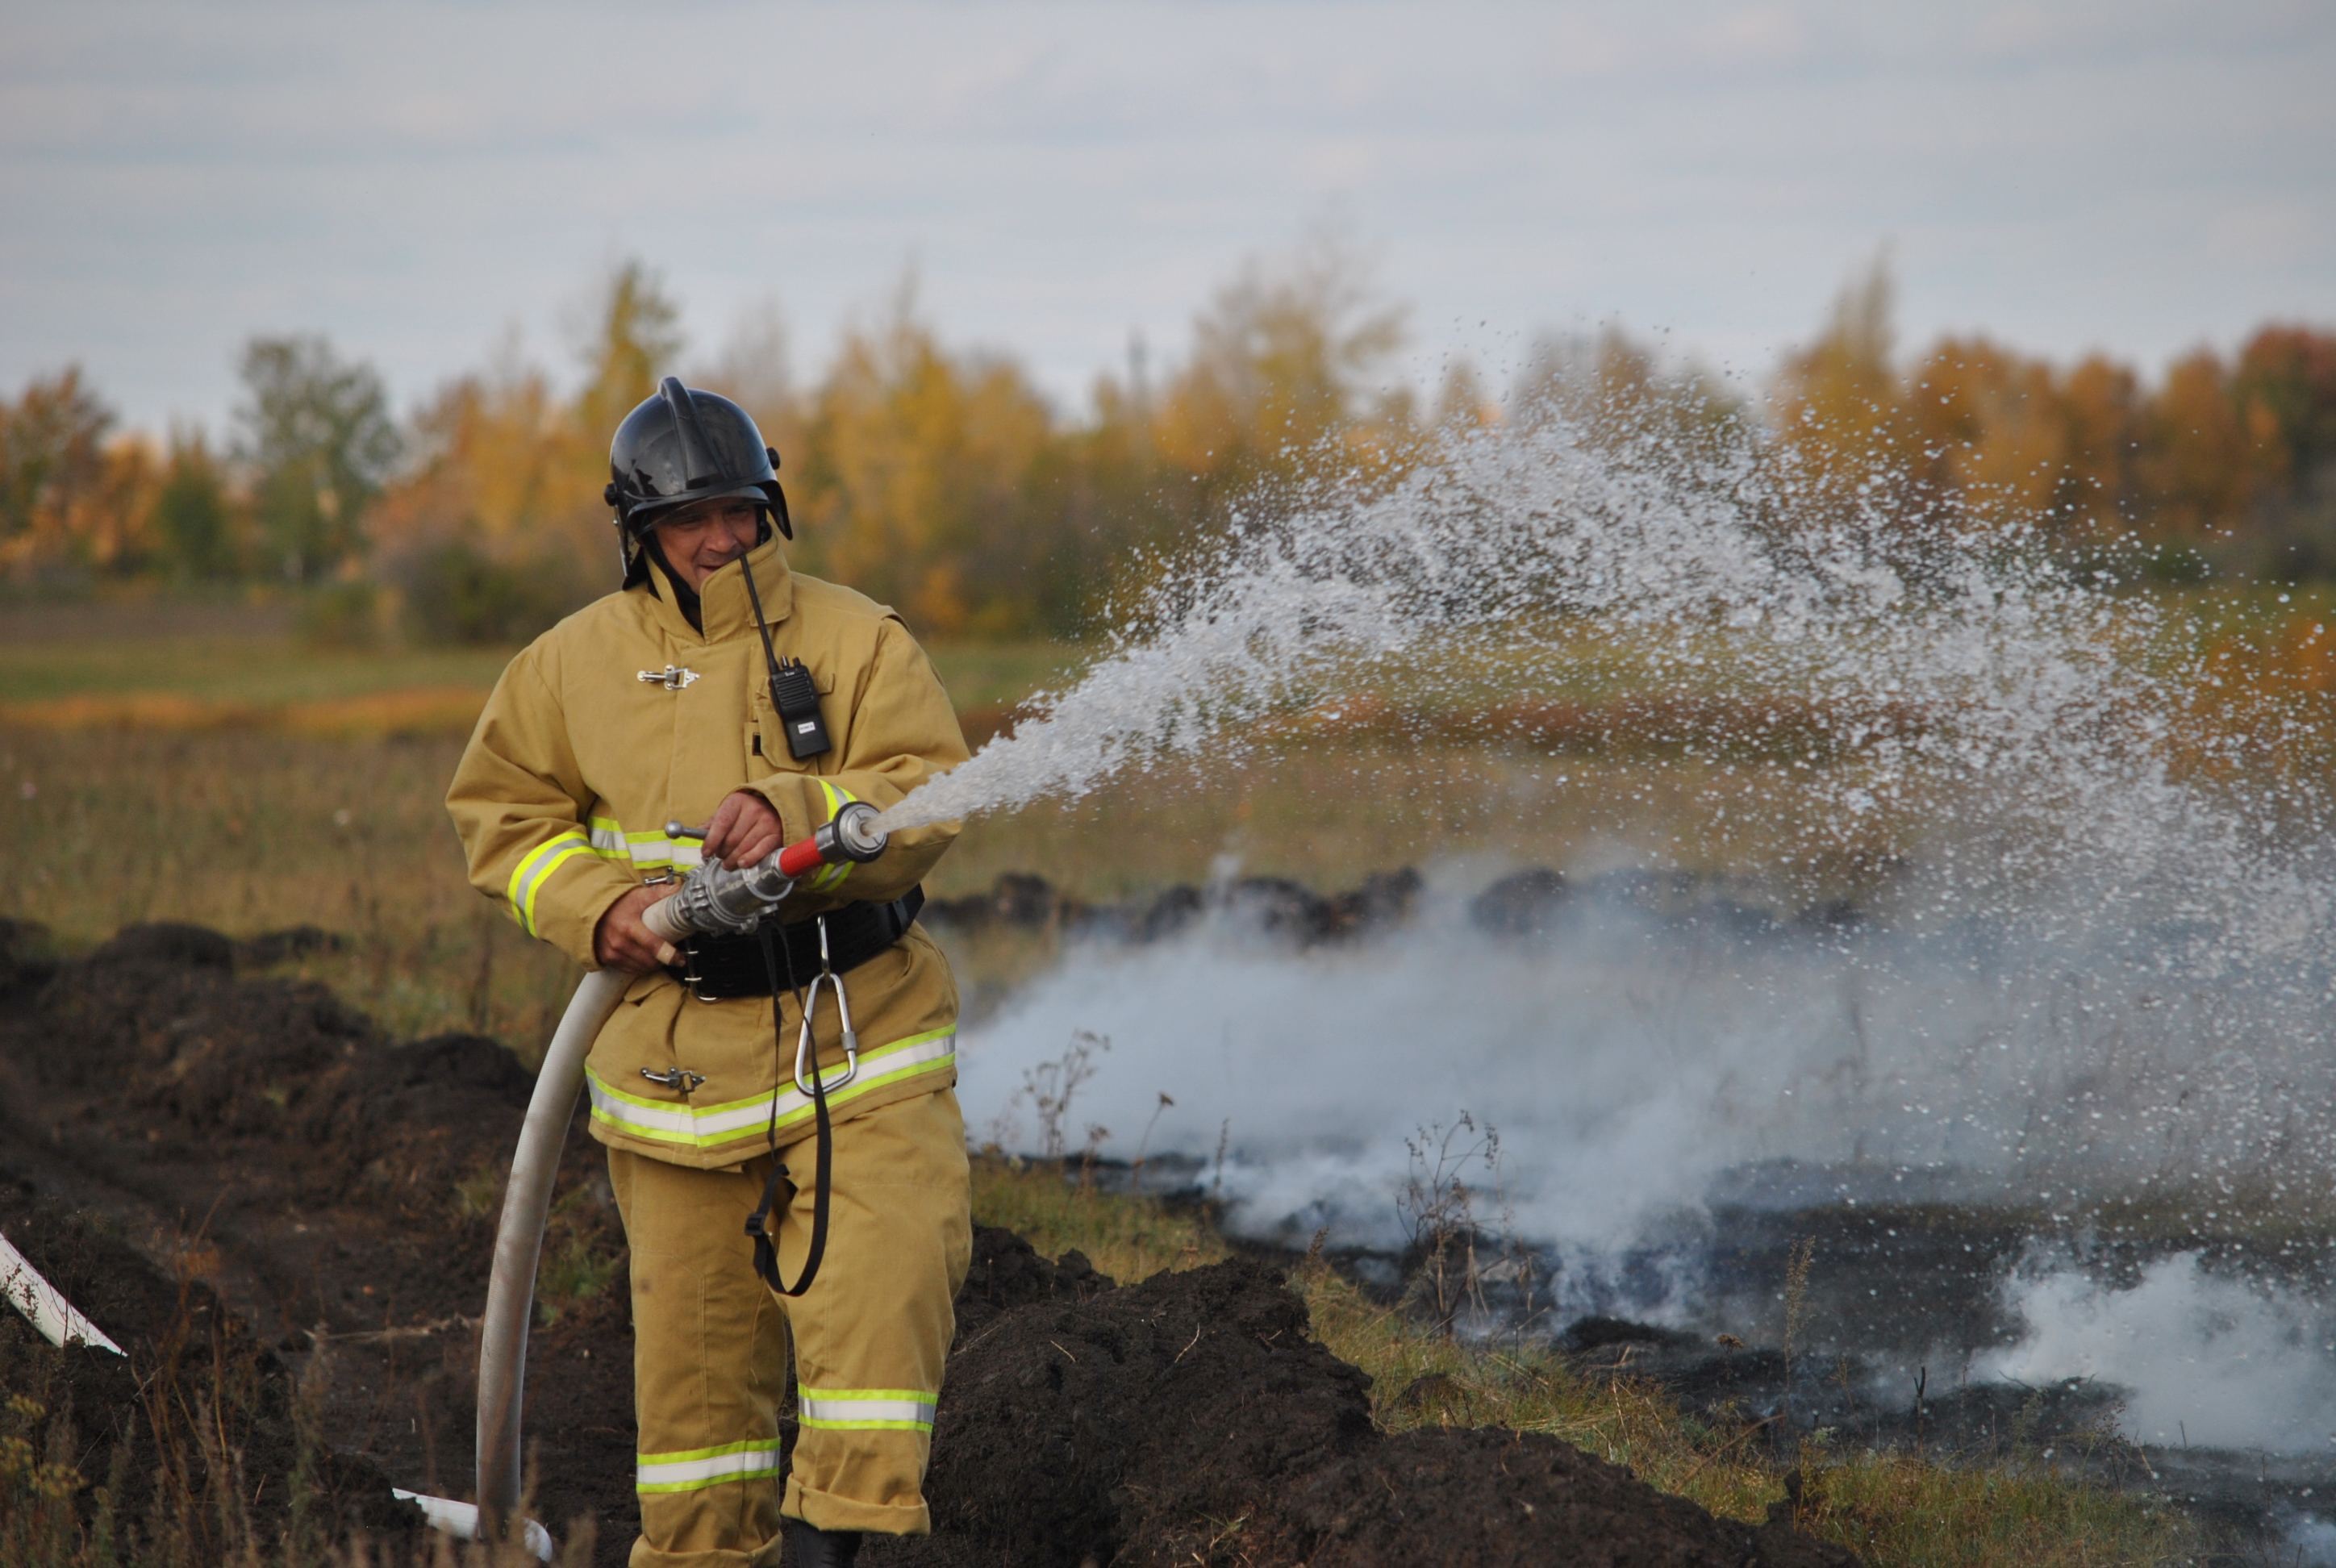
(844,1010)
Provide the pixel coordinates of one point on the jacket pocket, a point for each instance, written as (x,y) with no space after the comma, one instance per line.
(766,743)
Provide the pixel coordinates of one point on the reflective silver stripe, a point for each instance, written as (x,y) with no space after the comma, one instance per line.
(647,850)
(868,1409)
(653,850)
(671,1122)
(696,1467)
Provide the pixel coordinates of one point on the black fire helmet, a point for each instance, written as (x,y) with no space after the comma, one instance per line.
(685,445)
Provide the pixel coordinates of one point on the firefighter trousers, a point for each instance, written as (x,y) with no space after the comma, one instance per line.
(869,1337)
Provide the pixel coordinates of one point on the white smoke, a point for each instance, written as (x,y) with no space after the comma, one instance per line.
(2310,1543)
(2204,1358)
(1629,1064)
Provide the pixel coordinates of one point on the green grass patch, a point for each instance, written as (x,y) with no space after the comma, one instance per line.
(1129,1237)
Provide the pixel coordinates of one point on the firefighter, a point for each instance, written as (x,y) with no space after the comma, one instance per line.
(717,688)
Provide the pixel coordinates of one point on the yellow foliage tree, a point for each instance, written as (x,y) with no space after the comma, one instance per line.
(1280,381)
(918,485)
(1845,437)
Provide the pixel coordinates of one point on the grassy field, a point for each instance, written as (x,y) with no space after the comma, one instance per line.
(1894,1511)
(220,771)
(251,783)
(250,830)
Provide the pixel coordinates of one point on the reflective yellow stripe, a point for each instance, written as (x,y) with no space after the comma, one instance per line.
(869,1410)
(693,1468)
(528,876)
(827,879)
(695,1127)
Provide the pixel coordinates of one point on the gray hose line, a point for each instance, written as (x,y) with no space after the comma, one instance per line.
(518,1243)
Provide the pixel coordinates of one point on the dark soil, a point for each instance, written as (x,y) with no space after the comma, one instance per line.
(281,1213)
(1192,1419)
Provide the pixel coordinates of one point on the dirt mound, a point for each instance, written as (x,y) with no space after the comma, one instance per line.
(1275,906)
(1008,1272)
(183,1051)
(1504,1500)
(1192,1418)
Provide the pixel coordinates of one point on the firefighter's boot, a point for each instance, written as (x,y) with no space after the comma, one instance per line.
(808,1547)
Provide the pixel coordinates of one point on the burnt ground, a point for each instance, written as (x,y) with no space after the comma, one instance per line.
(286,1218)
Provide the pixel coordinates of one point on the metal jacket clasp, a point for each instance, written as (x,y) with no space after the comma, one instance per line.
(672,677)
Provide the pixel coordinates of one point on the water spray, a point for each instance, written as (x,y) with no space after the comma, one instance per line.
(712,901)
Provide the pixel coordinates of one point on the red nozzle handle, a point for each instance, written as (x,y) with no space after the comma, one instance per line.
(852,836)
(799,860)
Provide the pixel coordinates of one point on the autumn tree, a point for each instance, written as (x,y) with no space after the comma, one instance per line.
(1288,371)
(1620,397)
(921,483)
(497,527)
(1848,453)
(634,341)
(316,431)
(52,465)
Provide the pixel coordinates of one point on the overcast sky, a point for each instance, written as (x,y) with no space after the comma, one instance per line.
(417,179)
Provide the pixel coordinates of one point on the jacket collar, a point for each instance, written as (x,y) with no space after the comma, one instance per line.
(723,603)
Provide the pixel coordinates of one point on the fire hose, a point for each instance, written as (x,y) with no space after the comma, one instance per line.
(710,901)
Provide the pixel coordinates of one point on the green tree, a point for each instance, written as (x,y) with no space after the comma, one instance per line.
(317,433)
(2285,382)
(2290,374)
(193,525)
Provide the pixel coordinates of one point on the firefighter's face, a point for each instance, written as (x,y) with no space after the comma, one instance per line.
(699,541)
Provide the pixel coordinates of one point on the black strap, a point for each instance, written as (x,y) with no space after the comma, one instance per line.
(758,1223)
(714,969)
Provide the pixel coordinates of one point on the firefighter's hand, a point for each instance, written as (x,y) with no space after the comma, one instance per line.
(621,942)
(742,831)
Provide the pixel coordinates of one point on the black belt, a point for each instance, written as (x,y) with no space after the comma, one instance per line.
(717,968)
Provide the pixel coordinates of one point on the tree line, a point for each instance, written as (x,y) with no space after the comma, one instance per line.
(942,480)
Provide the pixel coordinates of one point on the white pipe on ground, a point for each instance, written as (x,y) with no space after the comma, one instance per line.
(519,1241)
(461,1520)
(58,1319)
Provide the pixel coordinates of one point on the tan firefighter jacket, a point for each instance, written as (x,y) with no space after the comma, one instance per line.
(623,718)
